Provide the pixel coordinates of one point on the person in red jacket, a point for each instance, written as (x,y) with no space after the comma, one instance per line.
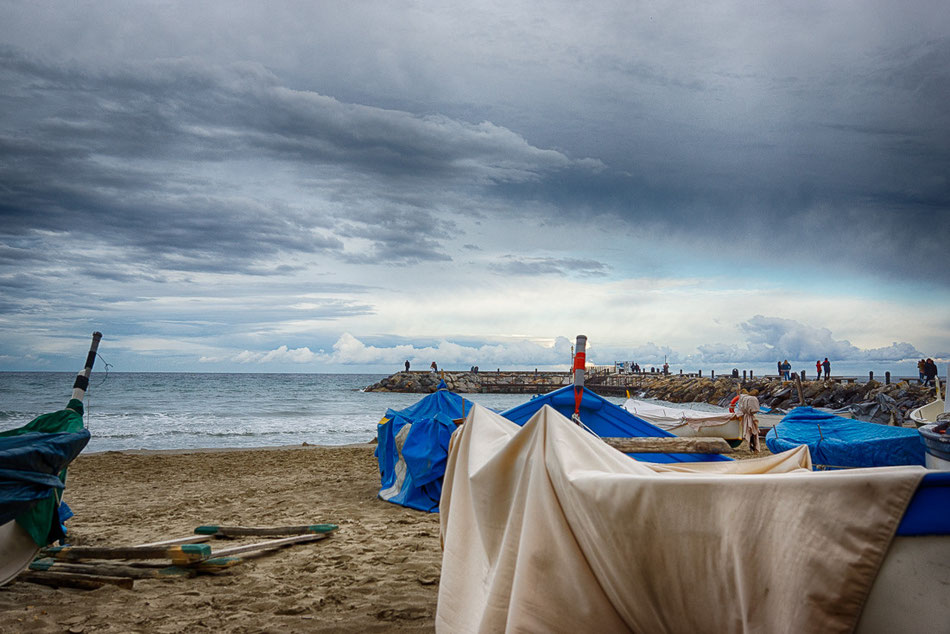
(818,370)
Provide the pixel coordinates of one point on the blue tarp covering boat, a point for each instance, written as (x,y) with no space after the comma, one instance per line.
(412,447)
(33,460)
(606,420)
(838,442)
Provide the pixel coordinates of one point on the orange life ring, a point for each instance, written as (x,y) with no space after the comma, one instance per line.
(732,403)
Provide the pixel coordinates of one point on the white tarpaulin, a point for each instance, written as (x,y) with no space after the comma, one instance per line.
(546,528)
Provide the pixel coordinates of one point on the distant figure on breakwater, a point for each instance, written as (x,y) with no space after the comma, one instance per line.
(930,372)
(434,367)
(826,364)
(407,365)
(818,370)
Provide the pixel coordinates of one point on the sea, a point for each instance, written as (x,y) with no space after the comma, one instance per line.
(142,410)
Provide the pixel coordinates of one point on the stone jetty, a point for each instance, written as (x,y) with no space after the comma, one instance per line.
(870,400)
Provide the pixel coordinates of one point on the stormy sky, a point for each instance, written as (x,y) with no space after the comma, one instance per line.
(326,186)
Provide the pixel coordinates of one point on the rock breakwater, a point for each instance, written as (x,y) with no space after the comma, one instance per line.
(870,401)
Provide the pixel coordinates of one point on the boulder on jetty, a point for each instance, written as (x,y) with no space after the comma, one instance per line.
(869,401)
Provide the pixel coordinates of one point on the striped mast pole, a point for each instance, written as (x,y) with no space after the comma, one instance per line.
(82,379)
(580,361)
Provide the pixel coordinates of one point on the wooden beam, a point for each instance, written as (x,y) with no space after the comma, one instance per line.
(269,544)
(260,531)
(675,444)
(112,570)
(179,555)
(191,539)
(72,580)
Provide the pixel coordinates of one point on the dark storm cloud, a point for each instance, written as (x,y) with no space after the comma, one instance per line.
(516,265)
(777,133)
(129,154)
(850,169)
(398,236)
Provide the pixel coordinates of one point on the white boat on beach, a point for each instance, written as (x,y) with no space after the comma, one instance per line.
(927,414)
(688,423)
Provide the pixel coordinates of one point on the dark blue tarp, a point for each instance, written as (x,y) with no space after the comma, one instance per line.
(842,442)
(33,461)
(412,448)
(606,420)
(30,465)
(929,510)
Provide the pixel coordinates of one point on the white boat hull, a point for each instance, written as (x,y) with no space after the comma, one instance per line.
(928,413)
(910,591)
(17,550)
(690,423)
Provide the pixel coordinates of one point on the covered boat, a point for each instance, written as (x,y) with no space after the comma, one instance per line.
(837,442)
(545,528)
(605,419)
(688,423)
(33,461)
(412,445)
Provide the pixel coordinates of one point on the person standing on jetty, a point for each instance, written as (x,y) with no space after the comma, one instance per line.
(434,367)
(818,370)
(407,365)
(930,372)
(826,364)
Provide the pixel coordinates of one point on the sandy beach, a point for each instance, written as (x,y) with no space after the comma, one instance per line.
(379,572)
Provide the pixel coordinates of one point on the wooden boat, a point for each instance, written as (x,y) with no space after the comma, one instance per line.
(927,414)
(687,422)
(690,423)
(37,455)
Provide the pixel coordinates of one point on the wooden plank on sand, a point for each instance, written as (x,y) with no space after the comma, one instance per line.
(191,539)
(112,570)
(669,445)
(72,580)
(268,545)
(262,531)
(179,555)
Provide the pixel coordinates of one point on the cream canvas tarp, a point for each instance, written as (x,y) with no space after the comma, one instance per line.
(546,528)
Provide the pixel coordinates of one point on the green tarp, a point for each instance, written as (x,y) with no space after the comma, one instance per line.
(35,457)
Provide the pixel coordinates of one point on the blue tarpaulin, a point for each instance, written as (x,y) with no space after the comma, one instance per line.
(842,442)
(33,461)
(606,420)
(412,447)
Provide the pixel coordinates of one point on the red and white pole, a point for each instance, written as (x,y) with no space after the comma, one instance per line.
(580,361)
